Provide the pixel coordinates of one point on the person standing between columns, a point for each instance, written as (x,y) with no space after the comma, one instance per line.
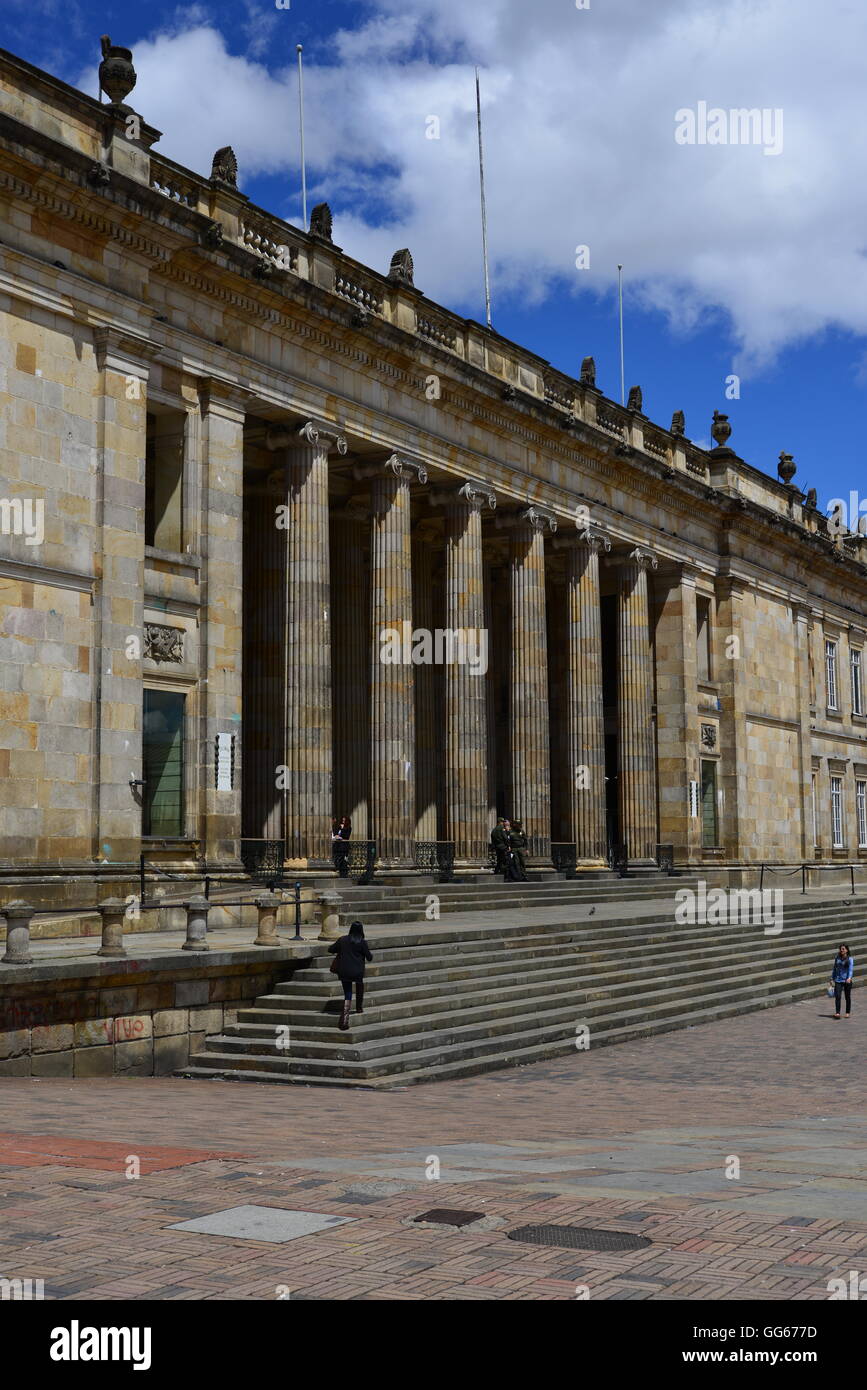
(500,844)
(519,845)
(351,953)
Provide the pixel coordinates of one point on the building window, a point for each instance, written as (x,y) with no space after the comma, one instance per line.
(163,763)
(861,803)
(708,806)
(837,811)
(814,809)
(831,673)
(855,668)
(703,643)
(164,482)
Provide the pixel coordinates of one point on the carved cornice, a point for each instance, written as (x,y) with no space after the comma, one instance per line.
(220,397)
(121,350)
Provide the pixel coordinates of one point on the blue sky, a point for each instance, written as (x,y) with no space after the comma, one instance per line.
(735,260)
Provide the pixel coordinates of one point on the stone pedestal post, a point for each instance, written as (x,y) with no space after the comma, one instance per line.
(267,907)
(112,911)
(392,741)
(637,751)
(329,916)
(197,924)
(308,759)
(584,713)
(18,916)
(466,713)
(530,756)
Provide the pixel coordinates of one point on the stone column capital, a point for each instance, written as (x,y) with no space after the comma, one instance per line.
(401,466)
(532,518)
(314,432)
(470,494)
(587,538)
(638,557)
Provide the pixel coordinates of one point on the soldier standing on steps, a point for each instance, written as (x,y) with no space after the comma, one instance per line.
(519,844)
(500,842)
(351,953)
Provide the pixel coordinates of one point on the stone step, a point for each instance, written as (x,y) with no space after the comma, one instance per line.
(457,965)
(437,1007)
(512,996)
(505,1048)
(385,1020)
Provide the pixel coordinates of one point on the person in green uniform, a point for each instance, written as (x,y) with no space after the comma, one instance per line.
(500,843)
(519,845)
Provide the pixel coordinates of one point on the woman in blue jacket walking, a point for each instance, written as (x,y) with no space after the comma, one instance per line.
(841,978)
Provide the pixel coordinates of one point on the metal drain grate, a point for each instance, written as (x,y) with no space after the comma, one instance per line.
(446,1216)
(579,1238)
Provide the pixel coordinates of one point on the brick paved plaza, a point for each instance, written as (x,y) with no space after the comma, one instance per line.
(633,1138)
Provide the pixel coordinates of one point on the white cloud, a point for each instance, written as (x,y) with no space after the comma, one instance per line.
(579,143)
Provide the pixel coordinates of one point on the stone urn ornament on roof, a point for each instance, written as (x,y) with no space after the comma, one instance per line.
(117,76)
(787,468)
(720,429)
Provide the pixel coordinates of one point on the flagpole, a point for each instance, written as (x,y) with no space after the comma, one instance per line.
(620,298)
(298,50)
(484,212)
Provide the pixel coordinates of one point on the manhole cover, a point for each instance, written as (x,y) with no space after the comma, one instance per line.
(445,1216)
(579,1238)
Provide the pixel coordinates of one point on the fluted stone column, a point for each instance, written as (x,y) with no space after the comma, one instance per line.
(351,614)
(220,633)
(308,756)
(584,712)
(392,743)
(465,684)
(530,754)
(264,657)
(637,753)
(427,714)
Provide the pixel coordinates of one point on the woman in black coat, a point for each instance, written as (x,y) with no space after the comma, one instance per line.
(352,952)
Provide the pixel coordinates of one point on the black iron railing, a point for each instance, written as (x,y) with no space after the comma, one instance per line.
(665,858)
(263,859)
(564,857)
(618,859)
(359,861)
(436,857)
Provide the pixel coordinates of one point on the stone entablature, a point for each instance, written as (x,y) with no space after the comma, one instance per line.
(239,239)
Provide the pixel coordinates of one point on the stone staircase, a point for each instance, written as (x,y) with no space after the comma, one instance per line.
(443,1003)
(383,904)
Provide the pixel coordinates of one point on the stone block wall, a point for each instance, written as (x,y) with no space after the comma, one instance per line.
(113,1027)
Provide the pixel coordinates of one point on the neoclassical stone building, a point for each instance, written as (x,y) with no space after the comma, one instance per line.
(238,469)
